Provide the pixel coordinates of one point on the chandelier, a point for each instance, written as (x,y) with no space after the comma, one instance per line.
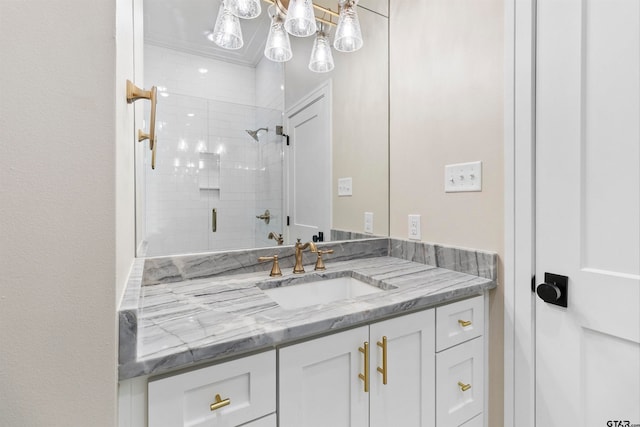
(292,17)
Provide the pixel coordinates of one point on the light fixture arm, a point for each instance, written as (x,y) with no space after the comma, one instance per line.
(282,6)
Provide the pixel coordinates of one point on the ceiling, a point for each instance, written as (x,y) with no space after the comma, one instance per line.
(182,25)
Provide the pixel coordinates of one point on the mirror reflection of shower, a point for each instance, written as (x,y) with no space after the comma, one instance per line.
(212,180)
(254,133)
(212,183)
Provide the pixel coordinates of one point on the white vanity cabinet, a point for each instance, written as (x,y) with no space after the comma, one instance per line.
(224,395)
(322,381)
(433,361)
(460,363)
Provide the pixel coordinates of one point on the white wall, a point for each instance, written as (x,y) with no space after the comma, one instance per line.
(179,73)
(60,224)
(446,101)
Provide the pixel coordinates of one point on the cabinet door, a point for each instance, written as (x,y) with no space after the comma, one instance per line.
(319,384)
(460,379)
(408,398)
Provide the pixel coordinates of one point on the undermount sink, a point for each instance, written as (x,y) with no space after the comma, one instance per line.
(319,292)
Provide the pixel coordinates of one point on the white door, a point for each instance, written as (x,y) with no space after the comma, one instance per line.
(408,397)
(588,211)
(318,383)
(308,159)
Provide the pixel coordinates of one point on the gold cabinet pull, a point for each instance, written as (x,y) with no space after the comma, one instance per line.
(463,386)
(133,94)
(219,403)
(464,323)
(383,370)
(365,377)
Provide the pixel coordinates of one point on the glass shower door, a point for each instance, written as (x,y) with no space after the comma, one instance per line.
(216,172)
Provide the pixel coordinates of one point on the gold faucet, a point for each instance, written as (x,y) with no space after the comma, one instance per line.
(298,268)
(277,237)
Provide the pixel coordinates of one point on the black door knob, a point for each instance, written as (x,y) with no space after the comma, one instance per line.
(549,292)
(554,289)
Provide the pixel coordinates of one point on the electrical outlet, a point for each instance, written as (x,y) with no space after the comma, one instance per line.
(414,227)
(463,177)
(368,222)
(345,187)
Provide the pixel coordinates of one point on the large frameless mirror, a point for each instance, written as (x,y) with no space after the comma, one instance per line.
(252,152)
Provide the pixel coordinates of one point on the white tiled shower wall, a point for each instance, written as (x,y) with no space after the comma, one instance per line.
(208,112)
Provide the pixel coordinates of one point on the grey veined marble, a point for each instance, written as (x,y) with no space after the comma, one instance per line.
(199,308)
(195,266)
(470,261)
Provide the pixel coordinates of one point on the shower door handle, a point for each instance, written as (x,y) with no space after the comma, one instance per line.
(214,220)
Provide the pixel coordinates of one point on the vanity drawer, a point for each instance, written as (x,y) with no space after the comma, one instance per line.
(187,399)
(459,322)
(460,383)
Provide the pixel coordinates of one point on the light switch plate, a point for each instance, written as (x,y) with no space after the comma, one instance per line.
(414,227)
(345,187)
(368,222)
(463,177)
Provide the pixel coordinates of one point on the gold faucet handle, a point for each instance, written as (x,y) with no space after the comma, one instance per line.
(275,269)
(320,262)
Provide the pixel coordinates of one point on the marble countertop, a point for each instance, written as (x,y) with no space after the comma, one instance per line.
(178,324)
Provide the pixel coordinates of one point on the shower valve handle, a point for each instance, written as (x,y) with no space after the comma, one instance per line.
(266,216)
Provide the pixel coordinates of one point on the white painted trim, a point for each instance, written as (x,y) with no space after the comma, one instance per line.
(132,402)
(519,151)
(485,367)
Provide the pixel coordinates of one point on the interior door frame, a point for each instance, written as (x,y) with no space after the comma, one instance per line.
(519,230)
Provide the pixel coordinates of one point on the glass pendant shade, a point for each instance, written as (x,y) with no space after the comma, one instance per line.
(321,57)
(278,46)
(348,35)
(227,32)
(301,20)
(245,9)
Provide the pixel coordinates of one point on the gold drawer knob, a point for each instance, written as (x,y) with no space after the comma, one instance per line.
(463,386)
(219,403)
(464,323)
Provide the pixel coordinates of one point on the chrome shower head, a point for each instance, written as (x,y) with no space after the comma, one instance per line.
(254,133)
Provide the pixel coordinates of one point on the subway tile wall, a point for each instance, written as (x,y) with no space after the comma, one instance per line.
(206,160)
